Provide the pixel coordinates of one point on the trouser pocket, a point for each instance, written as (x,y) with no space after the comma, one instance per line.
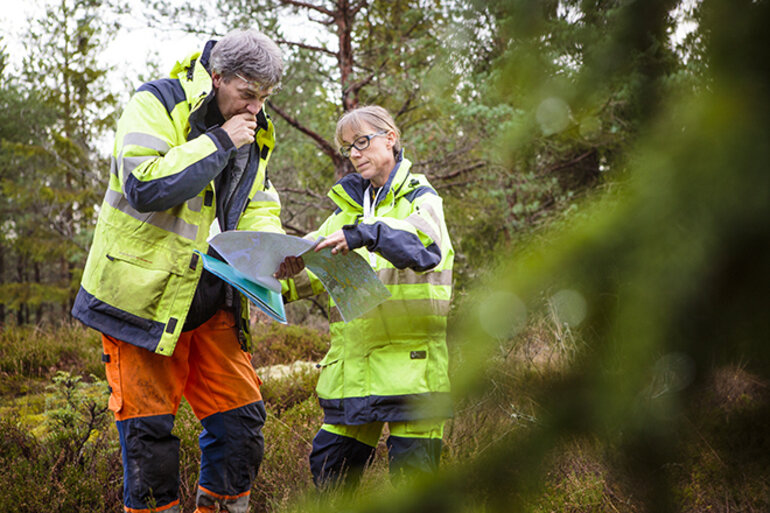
(111,359)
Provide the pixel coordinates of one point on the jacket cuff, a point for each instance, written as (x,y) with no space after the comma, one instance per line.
(221,139)
(352,236)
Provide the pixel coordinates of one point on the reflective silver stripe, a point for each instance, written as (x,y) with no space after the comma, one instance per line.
(237,504)
(146,141)
(403,308)
(162,220)
(113,165)
(425,227)
(432,212)
(265,196)
(234,504)
(393,276)
(414,307)
(131,163)
(195,204)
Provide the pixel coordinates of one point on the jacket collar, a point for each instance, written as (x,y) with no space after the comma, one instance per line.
(194,76)
(348,192)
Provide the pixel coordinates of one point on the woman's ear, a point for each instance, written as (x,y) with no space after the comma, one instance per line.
(391,139)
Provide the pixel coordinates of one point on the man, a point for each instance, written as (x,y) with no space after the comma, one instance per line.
(189,160)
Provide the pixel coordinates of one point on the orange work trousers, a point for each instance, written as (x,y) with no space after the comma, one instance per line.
(217,379)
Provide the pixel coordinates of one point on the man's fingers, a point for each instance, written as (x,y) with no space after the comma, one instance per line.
(247,116)
(290,266)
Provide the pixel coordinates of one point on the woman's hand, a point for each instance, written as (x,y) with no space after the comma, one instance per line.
(336,241)
(290,266)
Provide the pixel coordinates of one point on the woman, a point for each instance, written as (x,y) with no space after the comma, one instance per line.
(389,365)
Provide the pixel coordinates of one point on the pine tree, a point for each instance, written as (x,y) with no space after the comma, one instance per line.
(53,163)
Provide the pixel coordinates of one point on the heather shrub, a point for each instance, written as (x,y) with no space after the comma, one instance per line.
(187,428)
(74,465)
(277,343)
(285,475)
(283,392)
(38,352)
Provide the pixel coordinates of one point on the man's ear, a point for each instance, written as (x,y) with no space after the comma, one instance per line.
(216,79)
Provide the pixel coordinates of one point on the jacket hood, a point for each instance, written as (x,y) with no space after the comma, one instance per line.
(193,74)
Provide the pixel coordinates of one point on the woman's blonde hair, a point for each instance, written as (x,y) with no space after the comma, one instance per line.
(373,115)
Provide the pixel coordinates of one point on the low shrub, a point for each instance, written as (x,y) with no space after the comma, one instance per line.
(285,473)
(725,448)
(73,466)
(277,343)
(187,428)
(282,393)
(39,352)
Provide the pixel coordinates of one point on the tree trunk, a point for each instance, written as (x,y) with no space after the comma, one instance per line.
(20,278)
(2,282)
(39,309)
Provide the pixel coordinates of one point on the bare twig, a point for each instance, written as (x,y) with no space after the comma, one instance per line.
(458,172)
(322,143)
(295,229)
(571,162)
(311,7)
(319,305)
(307,47)
(284,424)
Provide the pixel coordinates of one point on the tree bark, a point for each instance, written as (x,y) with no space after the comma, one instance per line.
(2,282)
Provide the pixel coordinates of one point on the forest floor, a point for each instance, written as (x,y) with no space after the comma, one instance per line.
(59,450)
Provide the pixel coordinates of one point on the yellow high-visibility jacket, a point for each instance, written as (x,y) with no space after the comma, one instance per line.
(142,272)
(390,364)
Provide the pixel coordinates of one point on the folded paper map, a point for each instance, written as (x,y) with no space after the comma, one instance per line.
(253,257)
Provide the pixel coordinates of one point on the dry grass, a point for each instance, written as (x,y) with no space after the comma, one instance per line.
(721,465)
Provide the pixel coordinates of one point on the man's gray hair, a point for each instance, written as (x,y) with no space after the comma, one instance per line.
(250,54)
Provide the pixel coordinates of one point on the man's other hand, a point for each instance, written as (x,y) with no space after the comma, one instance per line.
(241,128)
(290,266)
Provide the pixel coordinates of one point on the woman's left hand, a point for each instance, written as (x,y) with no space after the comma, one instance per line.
(336,241)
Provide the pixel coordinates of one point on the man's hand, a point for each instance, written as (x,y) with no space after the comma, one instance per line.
(241,128)
(336,241)
(290,266)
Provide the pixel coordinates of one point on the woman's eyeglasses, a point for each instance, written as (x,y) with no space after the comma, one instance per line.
(361,143)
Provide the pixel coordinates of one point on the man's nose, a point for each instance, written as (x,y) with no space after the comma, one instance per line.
(254,107)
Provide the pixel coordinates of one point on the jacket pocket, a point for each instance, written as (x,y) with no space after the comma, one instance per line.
(135,276)
(331,379)
(399,369)
(136,290)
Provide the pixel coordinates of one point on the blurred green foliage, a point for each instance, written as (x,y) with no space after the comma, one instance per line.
(672,272)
